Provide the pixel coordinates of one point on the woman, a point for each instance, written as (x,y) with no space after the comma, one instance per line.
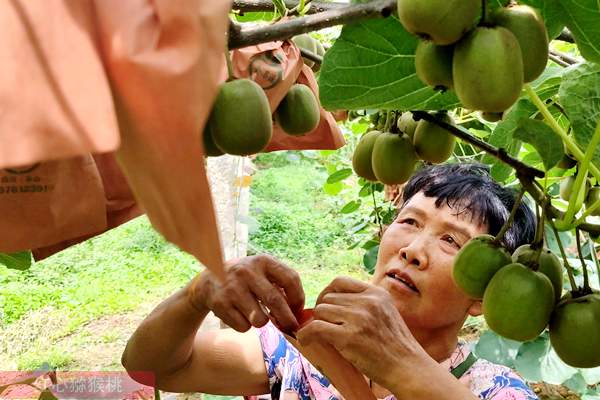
(400,330)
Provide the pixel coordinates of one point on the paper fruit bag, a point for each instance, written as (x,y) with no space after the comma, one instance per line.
(164,59)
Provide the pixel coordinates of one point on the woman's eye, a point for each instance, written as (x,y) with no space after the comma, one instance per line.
(451,241)
(408,221)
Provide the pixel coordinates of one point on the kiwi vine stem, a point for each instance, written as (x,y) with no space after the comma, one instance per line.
(586,282)
(558,60)
(571,145)
(241,36)
(511,217)
(464,135)
(320,15)
(311,56)
(267,5)
(564,257)
(594,257)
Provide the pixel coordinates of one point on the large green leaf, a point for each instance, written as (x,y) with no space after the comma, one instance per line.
(547,143)
(371,65)
(580,96)
(497,349)
(581,17)
(20,260)
(552,13)
(537,361)
(502,137)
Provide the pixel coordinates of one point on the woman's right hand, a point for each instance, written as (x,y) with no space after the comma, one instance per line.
(252,284)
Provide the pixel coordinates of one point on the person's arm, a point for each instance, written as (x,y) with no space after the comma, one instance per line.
(360,321)
(224,361)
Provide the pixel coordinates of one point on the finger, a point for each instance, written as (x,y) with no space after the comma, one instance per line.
(319,331)
(251,309)
(286,278)
(232,318)
(331,313)
(270,296)
(340,299)
(343,284)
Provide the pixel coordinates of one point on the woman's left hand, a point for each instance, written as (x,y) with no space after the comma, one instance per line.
(361,322)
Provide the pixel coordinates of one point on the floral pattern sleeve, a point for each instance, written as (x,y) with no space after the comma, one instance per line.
(292,377)
(496,382)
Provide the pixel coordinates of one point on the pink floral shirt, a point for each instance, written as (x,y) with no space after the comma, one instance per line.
(291,376)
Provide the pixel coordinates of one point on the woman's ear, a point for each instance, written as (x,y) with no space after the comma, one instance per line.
(475,309)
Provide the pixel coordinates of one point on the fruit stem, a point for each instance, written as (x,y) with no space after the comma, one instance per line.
(377,217)
(577,195)
(538,242)
(388,121)
(230,76)
(586,282)
(571,145)
(587,213)
(564,257)
(483,12)
(594,257)
(511,217)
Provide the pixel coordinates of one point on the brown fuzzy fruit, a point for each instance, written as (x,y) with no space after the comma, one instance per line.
(528,27)
(487,69)
(441,21)
(434,65)
(432,142)
(393,159)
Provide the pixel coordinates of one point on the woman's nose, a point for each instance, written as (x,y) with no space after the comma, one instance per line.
(413,256)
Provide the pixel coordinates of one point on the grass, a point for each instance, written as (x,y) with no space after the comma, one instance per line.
(49,314)
(298,222)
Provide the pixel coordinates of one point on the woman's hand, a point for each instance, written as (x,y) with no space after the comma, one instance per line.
(252,284)
(361,322)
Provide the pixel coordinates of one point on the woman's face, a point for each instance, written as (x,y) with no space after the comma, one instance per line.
(415,262)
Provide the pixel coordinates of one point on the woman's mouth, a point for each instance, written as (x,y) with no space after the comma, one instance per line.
(404,279)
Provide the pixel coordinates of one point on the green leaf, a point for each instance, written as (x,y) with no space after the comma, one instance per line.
(565,238)
(371,65)
(581,17)
(591,375)
(370,259)
(537,361)
(339,175)
(495,348)
(366,190)
(552,14)
(547,143)
(370,244)
(502,137)
(255,16)
(20,260)
(580,97)
(333,189)
(350,207)
(576,383)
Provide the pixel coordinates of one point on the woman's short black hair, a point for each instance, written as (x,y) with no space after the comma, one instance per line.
(468,187)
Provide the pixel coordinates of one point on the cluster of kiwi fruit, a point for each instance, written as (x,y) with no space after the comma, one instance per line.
(485,59)
(390,156)
(241,123)
(521,296)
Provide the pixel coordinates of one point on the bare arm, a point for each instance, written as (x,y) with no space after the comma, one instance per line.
(168,344)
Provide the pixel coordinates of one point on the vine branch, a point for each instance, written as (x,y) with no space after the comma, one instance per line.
(242,36)
(501,154)
(564,57)
(311,56)
(267,5)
